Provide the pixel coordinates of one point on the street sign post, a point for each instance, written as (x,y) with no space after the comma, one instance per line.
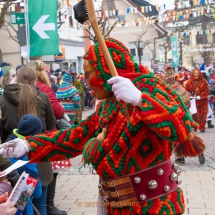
(17,18)
(174,46)
(21,35)
(42,25)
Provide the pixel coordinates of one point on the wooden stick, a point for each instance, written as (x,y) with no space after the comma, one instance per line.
(94,23)
(109,61)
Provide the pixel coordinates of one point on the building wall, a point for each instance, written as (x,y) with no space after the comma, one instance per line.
(72,34)
(129,34)
(10,49)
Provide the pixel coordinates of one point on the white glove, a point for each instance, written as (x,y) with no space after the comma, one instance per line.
(198,97)
(14,148)
(125,90)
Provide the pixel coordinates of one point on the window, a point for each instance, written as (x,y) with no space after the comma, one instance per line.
(121,18)
(133,52)
(199,39)
(186,40)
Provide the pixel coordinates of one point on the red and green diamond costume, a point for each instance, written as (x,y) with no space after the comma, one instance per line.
(145,141)
(199,87)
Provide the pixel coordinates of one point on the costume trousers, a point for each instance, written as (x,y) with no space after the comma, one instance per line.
(201,115)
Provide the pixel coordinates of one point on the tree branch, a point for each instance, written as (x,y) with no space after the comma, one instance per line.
(7,4)
(112,27)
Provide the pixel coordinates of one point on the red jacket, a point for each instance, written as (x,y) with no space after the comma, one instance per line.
(56,106)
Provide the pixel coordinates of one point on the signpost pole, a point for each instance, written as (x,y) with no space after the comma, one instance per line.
(27,29)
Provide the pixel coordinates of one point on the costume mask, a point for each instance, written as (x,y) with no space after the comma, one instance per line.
(122,59)
(93,82)
(196,74)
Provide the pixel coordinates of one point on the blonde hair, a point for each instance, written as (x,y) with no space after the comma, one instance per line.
(40,69)
(26,78)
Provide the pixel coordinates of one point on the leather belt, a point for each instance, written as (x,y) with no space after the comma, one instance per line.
(141,186)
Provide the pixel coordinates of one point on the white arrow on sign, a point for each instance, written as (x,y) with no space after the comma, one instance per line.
(40,27)
(19,18)
(175,59)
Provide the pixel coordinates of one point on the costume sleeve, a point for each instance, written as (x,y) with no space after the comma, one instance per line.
(50,118)
(164,111)
(79,87)
(62,144)
(206,91)
(56,106)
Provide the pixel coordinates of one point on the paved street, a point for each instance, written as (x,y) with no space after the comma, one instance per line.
(77,188)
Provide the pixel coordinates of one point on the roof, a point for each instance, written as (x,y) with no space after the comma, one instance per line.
(140,3)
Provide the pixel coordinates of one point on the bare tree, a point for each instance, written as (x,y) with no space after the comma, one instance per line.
(165,47)
(11,32)
(204,52)
(102,21)
(4,12)
(140,44)
(207,53)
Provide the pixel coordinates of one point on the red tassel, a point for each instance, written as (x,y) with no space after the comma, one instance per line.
(189,148)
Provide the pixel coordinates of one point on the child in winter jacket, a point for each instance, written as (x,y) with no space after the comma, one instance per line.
(28,125)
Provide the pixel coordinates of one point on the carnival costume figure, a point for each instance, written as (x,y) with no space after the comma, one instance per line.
(184,149)
(198,87)
(141,118)
(182,76)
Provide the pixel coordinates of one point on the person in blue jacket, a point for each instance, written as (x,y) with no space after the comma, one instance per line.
(28,125)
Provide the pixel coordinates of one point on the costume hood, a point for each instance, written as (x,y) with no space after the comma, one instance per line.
(123,61)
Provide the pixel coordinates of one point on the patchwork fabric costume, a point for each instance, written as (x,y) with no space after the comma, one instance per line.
(171,80)
(186,148)
(199,87)
(68,96)
(133,149)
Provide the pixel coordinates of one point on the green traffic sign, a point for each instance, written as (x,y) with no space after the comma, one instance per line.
(174,46)
(43,31)
(17,18)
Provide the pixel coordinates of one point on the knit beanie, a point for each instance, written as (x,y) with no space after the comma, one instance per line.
(67,77)
(29,125)
(4,64)
(122,59)
(19,67)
